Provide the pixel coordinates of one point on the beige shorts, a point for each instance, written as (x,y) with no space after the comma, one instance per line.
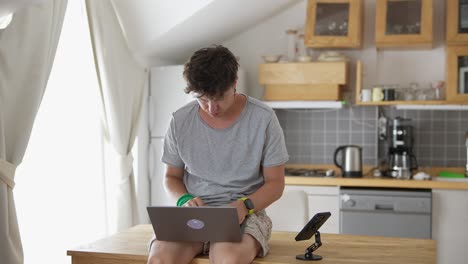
(258,225)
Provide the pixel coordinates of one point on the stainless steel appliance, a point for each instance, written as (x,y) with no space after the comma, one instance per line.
(351,160)
(401,158)
(303,172)
(386,212)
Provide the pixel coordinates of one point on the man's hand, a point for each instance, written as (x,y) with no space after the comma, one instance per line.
(197,201)
(241,210)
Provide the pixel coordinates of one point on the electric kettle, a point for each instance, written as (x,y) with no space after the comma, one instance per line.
(351,160)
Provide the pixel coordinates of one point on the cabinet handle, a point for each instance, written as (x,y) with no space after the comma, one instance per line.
(385,207)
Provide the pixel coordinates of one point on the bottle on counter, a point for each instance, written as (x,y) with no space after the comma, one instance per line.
(438,88)
(291,35)
(302,53)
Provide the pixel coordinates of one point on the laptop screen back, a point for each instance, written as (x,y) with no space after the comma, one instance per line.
(216,224)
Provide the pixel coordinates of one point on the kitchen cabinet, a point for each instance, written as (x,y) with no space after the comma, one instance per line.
(404,24)
(325,199)
(317,199)
(457,74)
(334,24)
(312,81)
(457,22)
(449,219)
(290,212)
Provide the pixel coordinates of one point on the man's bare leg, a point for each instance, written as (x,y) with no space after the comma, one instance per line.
(166,252)
(235,253)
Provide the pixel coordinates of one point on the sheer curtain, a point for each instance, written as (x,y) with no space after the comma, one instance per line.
(27,51)
(59,192)
(122,81)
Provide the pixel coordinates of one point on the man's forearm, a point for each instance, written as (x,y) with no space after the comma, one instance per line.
(174,186)
(267,194)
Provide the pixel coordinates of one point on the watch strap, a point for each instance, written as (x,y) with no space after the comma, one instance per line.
(249,210)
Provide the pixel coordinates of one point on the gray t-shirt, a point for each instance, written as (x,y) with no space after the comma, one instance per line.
(223,165)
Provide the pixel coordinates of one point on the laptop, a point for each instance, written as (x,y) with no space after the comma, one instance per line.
(205,223)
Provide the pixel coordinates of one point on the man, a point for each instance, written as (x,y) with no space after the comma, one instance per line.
(224,148)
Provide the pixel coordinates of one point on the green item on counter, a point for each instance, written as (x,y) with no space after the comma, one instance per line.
(447,174)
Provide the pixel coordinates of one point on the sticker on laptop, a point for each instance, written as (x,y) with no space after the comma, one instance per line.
(195,224)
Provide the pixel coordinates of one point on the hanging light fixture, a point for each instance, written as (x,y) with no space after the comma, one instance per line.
(5,20)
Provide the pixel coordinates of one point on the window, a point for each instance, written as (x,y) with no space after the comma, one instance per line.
(59,193)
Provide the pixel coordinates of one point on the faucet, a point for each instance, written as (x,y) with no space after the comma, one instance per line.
(466,144)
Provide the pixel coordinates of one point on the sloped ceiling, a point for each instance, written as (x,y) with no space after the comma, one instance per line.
(10,6)
(163,30)
(168,31)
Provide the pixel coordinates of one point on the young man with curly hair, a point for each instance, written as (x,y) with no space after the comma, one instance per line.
(223,149)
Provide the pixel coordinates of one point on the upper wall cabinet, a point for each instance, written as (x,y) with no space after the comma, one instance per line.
(457,74)
(334,24)
(457,22)
(404,23)
(314,81)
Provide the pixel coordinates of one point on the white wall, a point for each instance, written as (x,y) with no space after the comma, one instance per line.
(380,67)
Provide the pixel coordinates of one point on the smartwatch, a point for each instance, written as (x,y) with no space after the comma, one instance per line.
(248,204)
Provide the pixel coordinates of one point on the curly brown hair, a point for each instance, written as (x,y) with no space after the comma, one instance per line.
(211,71)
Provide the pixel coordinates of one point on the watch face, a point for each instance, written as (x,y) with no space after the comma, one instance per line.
(248,204)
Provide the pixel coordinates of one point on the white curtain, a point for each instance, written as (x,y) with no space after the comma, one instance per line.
(27,50)
(122,80)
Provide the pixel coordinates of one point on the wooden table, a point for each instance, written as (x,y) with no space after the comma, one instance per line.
(130,247)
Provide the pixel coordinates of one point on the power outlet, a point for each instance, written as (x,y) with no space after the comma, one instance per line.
(382,127)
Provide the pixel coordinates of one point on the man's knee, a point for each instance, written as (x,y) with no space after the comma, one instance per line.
(231,255)
(167,258)
(227,258)
(171,252)
(160,257)
(156,260)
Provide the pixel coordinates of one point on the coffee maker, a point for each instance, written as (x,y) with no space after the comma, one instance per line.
(400,153)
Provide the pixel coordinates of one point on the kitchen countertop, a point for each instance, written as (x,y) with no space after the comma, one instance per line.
(130,247)
(382,182)
(376,182)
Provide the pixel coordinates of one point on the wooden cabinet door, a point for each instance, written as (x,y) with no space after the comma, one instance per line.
(334,24)
(449,219)
(326,203)
(313,81)
(457,22)
(404,23)
(289,213)
(457,74)
(300,203)
(325,199)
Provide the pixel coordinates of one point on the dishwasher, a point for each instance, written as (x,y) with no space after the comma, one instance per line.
(386,212)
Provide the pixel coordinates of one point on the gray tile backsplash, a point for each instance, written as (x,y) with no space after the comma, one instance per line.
(313,135)
(438,135)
